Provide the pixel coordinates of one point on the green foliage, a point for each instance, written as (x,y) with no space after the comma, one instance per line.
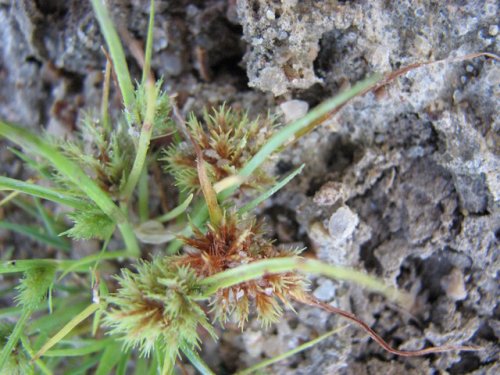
(90,223)
(106,156)
(17,362)
(156,306)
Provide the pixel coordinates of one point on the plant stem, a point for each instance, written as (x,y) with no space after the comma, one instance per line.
(261,198)
(287,132)
(143,196)
(105,99)
(144,139)
(14,337)
(146,70)
(260,268)
(117,54)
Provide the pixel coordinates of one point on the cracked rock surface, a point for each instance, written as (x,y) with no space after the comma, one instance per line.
(404,183)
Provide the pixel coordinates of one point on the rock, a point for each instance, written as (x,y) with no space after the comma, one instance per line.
(294,109)
(454,285)
(342,224)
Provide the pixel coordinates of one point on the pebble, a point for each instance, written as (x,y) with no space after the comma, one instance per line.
(342,224)
(294,109)
(454,285)
(326,290)
(493,30)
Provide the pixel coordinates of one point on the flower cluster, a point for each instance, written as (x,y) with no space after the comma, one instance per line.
(156,305)
(227,139)
(237,242)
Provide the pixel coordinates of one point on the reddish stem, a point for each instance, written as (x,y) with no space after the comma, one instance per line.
(404,353)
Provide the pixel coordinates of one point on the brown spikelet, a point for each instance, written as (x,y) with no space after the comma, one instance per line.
(233,244)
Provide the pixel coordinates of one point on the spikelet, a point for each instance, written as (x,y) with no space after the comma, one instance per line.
(228,139)
(235,243)
(155,306)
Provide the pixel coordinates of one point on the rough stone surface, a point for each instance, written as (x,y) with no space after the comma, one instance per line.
(416,163)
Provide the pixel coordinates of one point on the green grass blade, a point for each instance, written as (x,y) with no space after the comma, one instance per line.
(7,312)
(43,170)
(64,165)
(179,210)
(290,131)
(93,347)
(261,198)
(149,43)
(14,338)
(35,190)
(34,233)
(41,365)
(48,223)
(109,359)
(144,140)
(143,196)
(84,368)
(67,329)
(65,310)
(197,361)
(121,369)
(259,268)
(117,54)
(286,133)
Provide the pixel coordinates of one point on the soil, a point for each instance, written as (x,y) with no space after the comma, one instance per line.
(403,183)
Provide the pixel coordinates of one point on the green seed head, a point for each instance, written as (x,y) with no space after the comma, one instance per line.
(155,306)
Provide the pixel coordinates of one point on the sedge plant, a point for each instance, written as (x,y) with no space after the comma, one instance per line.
(219,264)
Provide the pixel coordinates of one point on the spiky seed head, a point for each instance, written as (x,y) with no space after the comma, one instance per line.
(228,139)
(34,286)
(155,305)
(235,243)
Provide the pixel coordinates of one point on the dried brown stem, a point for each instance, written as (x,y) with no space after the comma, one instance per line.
(209,193)
(388,78)
(384,344)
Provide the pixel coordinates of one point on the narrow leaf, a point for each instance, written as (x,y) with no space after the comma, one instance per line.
(196,361)
(67,329)
(35,190)
(251,205)
(117,54)
(34,233)
(179,210)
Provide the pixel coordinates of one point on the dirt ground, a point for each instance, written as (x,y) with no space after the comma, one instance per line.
(404,184)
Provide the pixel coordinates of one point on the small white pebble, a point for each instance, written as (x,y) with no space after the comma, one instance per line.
(342,224)
(326,291)
(493,30)
(454,285)
(294,109)
(270,15)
